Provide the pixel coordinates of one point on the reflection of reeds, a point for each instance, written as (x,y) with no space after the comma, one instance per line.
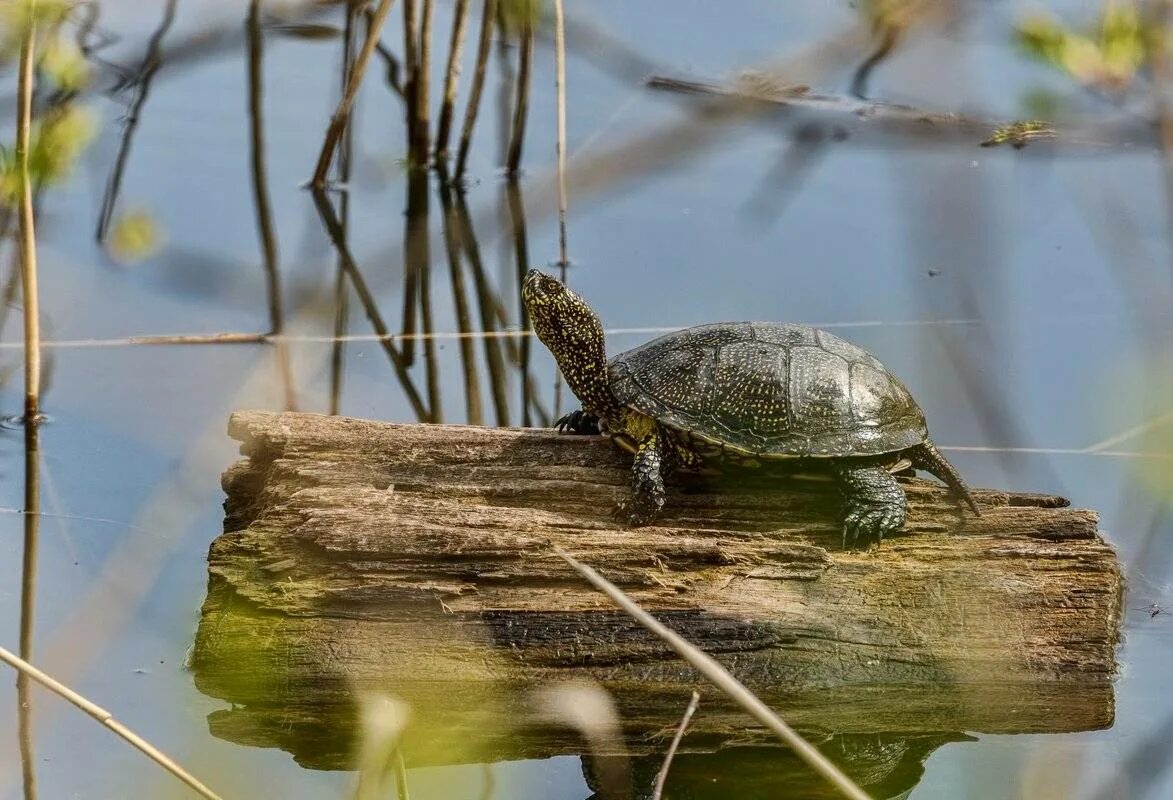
(472,391)
(28,237)
(436,413)
(484,43)
(142,82)
(338,238)
(493,358)
(521,101)
(354,80)
(345,148)
(28,583)
(261,200)
(451,79)
(521,251)
(560,141)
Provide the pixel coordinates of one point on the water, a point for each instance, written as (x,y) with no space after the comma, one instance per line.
(1047,286)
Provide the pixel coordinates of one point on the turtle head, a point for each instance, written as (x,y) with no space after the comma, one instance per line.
(571,330)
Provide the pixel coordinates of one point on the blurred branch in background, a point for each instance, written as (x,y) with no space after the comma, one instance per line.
(451,81)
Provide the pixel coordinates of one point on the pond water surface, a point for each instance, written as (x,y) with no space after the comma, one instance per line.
(1021,295)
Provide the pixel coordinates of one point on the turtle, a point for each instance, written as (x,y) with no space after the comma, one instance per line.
(742,392)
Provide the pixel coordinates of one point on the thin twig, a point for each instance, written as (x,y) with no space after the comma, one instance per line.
(484,44)
(662,775)
(720,677)
(451,79)
(521,104)
(28,236)
(342,113)
(106,718)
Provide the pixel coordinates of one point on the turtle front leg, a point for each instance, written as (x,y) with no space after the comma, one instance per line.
(648,471)
(876,504)
(579,422)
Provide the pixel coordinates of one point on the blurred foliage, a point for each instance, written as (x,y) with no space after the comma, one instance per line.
(15,17)
(1042,103)
(55,143)
(515,14)
(1106,57)
(135,236)
(60,130)
(63,64)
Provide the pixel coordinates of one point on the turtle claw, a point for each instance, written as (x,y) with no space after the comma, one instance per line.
(579,422)
(866,525)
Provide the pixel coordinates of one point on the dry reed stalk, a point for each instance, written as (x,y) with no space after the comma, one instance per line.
(484,44)
(106,718)
(28,236)
(662,775)
(720,677)
(342,113)
(451,79)
(521,104)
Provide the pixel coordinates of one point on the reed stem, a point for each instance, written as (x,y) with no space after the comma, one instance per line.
(28,236)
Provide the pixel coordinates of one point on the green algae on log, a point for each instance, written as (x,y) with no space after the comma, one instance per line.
(363,556)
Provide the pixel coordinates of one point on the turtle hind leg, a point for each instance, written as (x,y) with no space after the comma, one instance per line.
(876,504)
(652,464)
(926,456)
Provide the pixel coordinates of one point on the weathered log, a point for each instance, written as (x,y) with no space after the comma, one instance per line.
(415,559)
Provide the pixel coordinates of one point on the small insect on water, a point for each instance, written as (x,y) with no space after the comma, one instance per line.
(744,392)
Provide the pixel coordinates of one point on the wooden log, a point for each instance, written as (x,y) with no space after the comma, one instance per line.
(415,559)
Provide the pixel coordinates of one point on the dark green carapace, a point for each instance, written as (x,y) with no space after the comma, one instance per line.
(744,392)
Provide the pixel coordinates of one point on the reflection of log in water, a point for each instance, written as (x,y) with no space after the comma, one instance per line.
(414,559)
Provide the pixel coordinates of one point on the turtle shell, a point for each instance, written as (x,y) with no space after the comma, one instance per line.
(769,389)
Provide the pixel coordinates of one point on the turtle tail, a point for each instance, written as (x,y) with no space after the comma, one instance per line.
(926,456)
